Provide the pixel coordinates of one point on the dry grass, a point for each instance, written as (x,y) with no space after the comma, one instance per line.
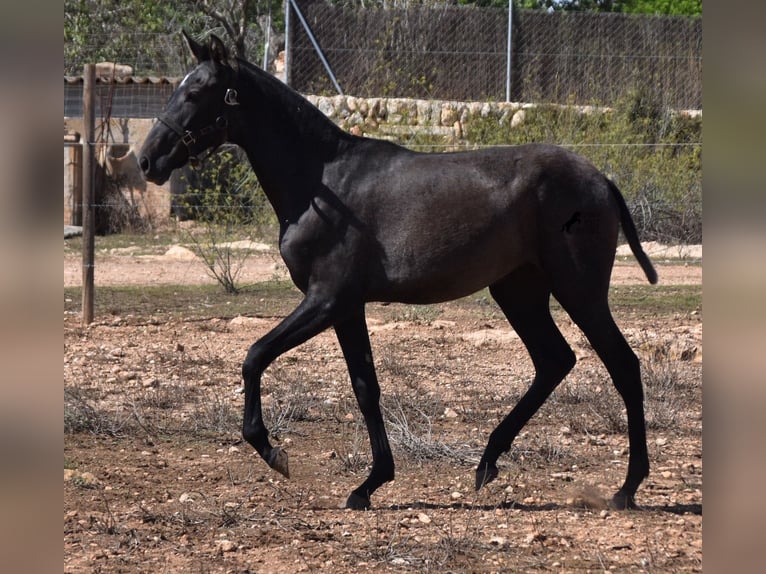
(174,429)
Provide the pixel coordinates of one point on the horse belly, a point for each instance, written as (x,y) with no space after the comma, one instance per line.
(445,274)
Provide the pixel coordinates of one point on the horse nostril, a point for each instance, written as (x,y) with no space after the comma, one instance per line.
(144,164)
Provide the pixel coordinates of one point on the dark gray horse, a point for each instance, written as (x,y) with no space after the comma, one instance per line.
(367,220)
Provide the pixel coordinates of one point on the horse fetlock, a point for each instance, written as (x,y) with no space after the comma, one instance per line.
(256,436)
(357,501)
(623,501)
(382,473)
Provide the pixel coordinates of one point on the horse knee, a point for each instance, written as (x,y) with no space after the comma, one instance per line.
(566,363)
(254,363)
(557,365)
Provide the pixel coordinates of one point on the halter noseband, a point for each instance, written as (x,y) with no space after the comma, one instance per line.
(189,138)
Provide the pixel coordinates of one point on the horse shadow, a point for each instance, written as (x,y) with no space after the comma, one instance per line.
(677,509)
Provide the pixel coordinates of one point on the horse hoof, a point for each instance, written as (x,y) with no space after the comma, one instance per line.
(357,502)
(622,501)
(485,475)
(278,461)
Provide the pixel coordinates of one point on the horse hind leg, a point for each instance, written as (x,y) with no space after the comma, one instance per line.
(524,297)
(597,324)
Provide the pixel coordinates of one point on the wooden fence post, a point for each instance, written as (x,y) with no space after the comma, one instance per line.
(88,191)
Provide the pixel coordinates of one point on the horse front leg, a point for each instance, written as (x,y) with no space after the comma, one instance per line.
(355,343)
(310,318)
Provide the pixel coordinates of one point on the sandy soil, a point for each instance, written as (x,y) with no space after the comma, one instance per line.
(157,478)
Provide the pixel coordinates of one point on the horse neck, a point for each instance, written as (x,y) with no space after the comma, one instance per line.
(287,140)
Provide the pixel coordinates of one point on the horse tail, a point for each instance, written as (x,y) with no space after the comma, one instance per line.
(629,229)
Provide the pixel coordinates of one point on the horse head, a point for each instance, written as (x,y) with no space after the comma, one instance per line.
(195,118)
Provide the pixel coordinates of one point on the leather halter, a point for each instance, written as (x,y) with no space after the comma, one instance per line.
(189,138)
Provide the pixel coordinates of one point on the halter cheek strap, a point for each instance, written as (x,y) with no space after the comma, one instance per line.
(188,137)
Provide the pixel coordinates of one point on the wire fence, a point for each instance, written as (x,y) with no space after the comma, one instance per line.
(453,52)
(461,52)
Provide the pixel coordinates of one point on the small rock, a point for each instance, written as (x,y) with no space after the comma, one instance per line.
(456,495)
(450,413)
(86,479)
(498,540)
(424,518)
(226,546)
(179,253)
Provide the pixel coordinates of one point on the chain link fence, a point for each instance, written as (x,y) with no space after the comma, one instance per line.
(461,53)
(441,51)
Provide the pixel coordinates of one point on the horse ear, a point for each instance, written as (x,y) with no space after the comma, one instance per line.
(218,50)
(199,51)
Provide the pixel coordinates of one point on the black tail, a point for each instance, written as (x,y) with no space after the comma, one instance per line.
(629,229)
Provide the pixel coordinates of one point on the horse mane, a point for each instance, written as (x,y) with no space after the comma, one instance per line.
(310,118)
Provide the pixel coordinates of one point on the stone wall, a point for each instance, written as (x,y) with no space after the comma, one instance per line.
(396,117)
(389,118)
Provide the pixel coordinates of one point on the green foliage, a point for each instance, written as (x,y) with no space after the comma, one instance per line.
(653,154)
(146,35)
(668,7)
(225,191)
(109,30)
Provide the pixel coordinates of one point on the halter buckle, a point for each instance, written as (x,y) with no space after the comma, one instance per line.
(231,97)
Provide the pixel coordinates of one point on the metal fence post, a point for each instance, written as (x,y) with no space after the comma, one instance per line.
(314,43)
(508,53)
(288,56)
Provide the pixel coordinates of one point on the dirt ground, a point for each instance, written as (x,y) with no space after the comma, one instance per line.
(158,479)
